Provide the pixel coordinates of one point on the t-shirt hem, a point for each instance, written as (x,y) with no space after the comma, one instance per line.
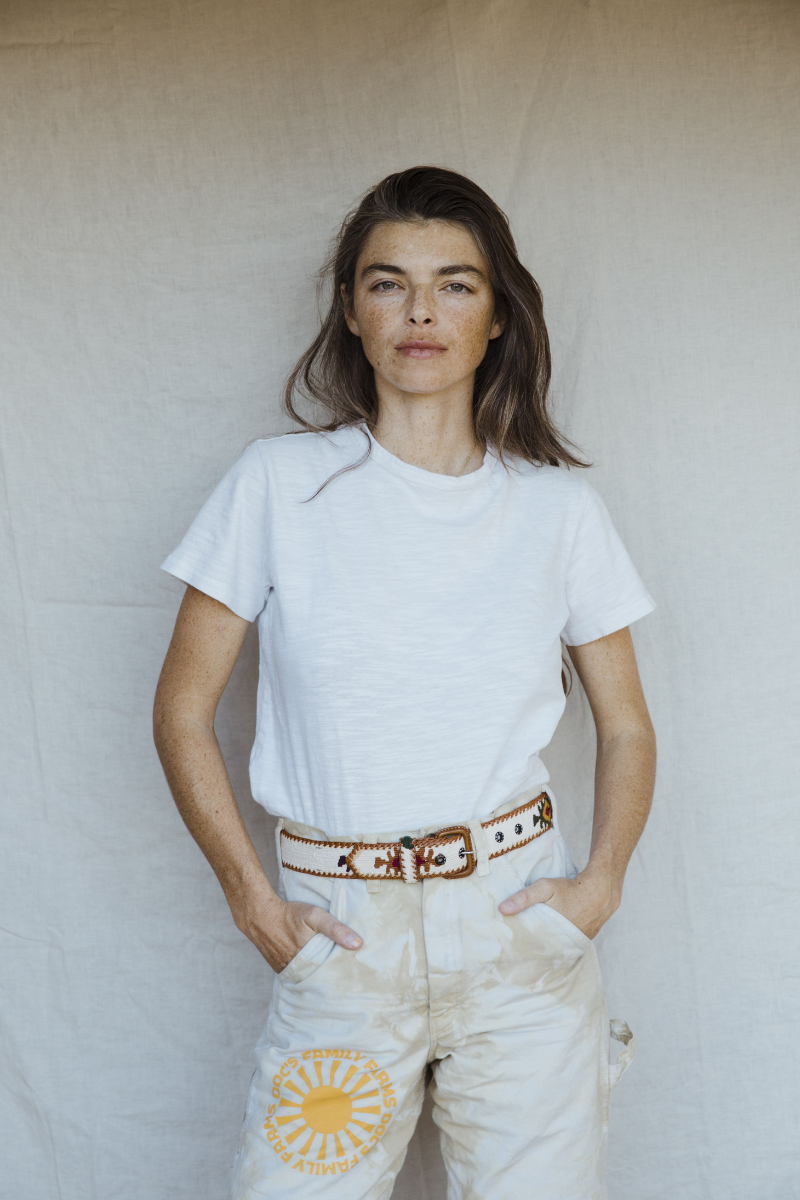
(391,825)
(610,624)
(209,587)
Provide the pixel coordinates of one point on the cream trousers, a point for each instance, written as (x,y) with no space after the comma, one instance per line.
(508,1011)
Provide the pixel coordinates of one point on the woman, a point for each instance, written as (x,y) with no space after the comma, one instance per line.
(413,562)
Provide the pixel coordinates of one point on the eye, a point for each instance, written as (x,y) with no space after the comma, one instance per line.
(385,285)
(459,289)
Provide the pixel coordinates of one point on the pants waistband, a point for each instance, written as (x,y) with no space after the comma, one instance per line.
(454,852)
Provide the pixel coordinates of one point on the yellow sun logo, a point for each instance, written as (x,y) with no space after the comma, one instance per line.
(334,1105)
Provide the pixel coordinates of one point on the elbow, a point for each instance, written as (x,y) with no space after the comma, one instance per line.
(177,717)
(636,731)
(169,714)
(161,721)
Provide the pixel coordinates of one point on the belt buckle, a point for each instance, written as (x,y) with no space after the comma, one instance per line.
(469,850)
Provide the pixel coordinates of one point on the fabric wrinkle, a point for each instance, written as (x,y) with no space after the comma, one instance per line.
(510,1012)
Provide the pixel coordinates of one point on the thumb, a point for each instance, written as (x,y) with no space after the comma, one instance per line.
(322,922)
(536,893)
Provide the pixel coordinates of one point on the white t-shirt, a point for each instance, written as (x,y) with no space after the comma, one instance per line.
(409,623)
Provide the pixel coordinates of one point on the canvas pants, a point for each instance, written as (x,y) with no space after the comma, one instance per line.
(508,1011)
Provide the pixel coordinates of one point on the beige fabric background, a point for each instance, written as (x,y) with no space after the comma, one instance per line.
(171,172)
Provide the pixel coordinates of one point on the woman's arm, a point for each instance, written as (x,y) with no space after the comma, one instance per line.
(199,662)
(624,779)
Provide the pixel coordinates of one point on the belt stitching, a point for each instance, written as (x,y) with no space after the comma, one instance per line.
(546,821)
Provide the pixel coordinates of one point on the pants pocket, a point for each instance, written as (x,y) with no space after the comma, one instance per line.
(563,924)
(307,889)
(547,858)
(308,959)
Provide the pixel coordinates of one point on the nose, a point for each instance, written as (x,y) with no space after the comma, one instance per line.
(419,308)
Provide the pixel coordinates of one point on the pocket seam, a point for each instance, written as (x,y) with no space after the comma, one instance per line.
(335,892)
(287,974)
(572,929)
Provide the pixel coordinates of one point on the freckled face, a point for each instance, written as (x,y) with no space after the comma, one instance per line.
(423,305)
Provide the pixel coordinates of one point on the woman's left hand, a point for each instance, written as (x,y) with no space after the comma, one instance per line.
(587,901)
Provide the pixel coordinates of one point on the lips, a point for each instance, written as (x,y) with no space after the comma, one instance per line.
(420,349)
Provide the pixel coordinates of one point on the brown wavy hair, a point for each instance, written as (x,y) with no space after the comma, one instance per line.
(509,404)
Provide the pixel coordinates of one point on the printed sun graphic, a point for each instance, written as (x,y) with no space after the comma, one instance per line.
(328,1109)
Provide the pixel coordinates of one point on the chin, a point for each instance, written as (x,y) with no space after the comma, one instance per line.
(423,382)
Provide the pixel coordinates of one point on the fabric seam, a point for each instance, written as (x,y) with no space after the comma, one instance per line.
(267,541)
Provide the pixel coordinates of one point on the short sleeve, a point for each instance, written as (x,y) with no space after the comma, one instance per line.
(224,552)
(604,591)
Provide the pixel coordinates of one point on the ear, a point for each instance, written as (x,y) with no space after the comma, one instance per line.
(349,316)
(498,324)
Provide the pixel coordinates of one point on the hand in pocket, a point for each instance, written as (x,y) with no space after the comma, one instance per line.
(280,929)
(587,900)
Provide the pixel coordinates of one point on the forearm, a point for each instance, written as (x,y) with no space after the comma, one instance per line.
(204,647)
(196,773)
(624,779)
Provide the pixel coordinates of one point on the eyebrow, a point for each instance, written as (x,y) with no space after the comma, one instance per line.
(453,269)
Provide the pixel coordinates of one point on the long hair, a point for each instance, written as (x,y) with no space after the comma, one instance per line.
(509,402)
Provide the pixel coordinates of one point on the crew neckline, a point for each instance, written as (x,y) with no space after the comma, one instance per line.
(450,483)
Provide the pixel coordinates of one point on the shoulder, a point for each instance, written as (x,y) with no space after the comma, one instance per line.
(295,451)
(563,488)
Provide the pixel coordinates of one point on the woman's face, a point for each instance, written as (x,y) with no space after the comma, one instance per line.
(422,306)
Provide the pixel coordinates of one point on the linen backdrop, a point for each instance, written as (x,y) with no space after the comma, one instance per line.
(171,173)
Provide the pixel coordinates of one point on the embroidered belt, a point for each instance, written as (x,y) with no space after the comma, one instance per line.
(448,854)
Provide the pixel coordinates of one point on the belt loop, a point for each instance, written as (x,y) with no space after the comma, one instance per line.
(479,846)
(548,791)
(278,829)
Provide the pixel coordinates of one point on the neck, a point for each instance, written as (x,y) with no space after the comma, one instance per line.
(434,432)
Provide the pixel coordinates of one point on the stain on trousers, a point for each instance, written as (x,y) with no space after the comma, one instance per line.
(510,1012)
